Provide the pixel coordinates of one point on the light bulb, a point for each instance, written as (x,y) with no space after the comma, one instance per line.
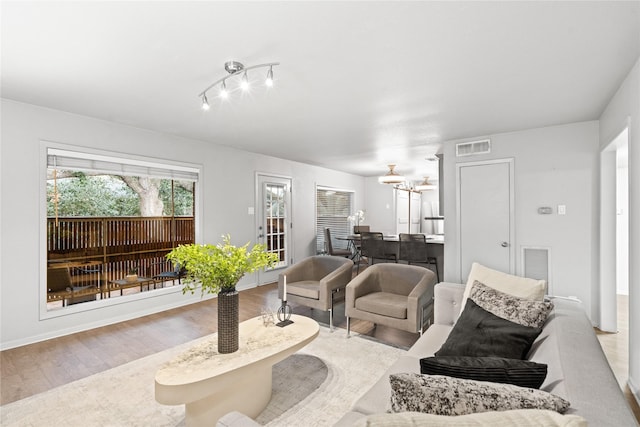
(269,81)
(205,102)
(223,92)
(244,84)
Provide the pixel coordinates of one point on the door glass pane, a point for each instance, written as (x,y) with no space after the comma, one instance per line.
(275,216)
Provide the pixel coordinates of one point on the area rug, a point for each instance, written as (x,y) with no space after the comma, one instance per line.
(313,387)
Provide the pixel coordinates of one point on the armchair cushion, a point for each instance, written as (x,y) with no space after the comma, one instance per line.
(384,303)
(305,288)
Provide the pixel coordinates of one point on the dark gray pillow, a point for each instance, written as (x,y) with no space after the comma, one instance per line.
(480,333)
(519,310)
(440,395)
(523,373)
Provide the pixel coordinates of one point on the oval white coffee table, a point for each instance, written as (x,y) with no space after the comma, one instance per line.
(211,384)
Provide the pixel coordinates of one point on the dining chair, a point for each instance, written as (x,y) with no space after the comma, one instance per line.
(373,247)
(414,249)
(328,246)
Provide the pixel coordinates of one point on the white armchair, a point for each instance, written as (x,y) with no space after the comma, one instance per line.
(314,281)
(396,295)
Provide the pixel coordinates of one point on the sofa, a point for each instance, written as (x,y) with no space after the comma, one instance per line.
(577,368)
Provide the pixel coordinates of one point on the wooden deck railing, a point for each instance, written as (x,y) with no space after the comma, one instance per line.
(116,244)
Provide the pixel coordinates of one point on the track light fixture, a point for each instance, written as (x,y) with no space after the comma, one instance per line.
(235,68)
(391,177)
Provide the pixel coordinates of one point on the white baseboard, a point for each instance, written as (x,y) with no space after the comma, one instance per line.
(635,391)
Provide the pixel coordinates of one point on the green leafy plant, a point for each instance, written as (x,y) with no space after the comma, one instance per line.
(218,268)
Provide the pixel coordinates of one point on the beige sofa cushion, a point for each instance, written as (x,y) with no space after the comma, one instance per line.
(517,286)
(384,303)
(519,417)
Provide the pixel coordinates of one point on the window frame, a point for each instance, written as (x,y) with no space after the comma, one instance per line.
(320,228)
(125,158)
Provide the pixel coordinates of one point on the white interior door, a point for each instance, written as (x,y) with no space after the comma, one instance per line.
(274,221)
(485,215)
(415,208)
(402,211)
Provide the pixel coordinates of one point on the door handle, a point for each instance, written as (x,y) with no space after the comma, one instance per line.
(504,244)
(260,236)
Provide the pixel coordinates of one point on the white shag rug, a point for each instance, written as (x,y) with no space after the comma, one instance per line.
(314,387)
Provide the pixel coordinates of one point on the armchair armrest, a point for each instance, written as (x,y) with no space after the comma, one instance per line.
(337,279)
(421,296)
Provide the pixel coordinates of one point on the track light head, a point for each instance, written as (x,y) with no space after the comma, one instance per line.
(205,102)
(244,84)
(223,91)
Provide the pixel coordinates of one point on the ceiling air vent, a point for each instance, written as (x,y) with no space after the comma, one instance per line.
(473,148)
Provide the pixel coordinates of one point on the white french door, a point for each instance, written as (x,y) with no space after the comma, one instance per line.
(274,221)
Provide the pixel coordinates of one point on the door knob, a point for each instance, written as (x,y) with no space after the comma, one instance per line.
(504,244)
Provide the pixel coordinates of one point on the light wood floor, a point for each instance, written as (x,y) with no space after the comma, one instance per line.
(39,367)
(616,348)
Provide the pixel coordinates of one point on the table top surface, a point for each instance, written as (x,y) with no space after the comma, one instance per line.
(431,238)
(256,343)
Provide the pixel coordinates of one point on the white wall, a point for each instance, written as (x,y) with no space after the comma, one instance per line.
(380,206)
(25,126)
(553,165)
(624,109)
(622,229)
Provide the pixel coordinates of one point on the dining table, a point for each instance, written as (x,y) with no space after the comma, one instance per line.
(392,241)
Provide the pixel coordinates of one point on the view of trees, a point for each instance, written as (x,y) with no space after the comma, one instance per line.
(82,194)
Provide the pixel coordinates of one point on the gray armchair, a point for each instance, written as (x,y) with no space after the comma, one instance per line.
(395,295)
(314,281)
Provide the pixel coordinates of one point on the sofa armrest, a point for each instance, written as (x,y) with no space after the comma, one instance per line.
(447,301)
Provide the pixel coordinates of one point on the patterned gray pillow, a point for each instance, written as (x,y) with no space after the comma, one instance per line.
(517,310)
(441,395)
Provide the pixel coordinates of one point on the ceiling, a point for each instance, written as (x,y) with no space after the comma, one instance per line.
(360,85)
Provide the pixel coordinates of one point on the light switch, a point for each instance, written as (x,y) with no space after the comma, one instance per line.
(562,209)
(251,210)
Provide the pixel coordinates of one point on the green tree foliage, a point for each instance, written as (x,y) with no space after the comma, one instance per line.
(82,195)
(182,195)
(85,195)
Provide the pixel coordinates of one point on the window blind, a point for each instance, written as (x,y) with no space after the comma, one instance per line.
(73,160)
(333,208)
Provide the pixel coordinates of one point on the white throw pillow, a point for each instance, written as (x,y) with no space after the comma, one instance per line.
(517,417)
(517,286)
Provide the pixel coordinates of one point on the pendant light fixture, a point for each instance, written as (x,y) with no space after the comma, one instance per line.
(391,177)
(425,185)
(235,68)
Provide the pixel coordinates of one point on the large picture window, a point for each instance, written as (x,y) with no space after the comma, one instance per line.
(110,223)
(333,208)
